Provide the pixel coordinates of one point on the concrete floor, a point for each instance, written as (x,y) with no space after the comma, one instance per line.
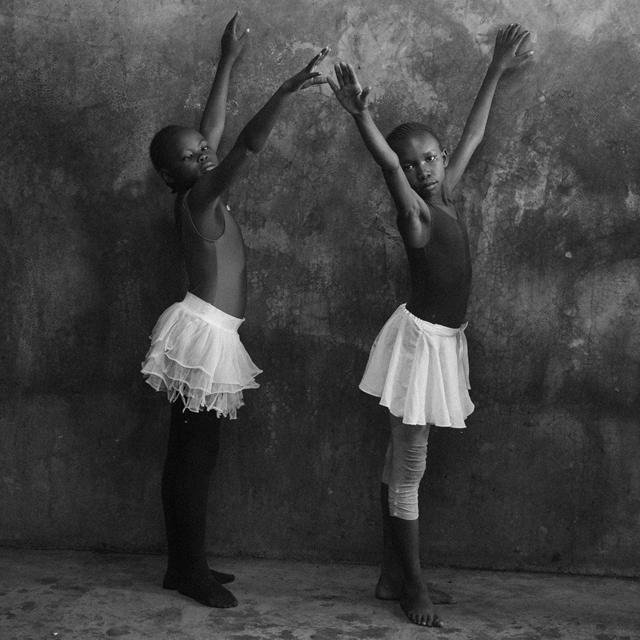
(83,595)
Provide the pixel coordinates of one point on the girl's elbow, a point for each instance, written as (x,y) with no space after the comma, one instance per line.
(475,138)
(250,142)
(390,166)
(408,212)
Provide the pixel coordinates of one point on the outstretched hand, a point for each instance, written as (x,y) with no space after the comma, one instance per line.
(347,89)
(307,76)
(232,45)
(508,41)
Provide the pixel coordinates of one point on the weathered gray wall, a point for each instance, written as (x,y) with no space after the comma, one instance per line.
(547,475)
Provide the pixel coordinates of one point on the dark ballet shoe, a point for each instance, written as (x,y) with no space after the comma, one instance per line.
(208,592)
(172,578)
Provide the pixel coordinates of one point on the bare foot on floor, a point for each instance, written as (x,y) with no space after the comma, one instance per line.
(391,589)
(208,592)
(418,607)
(388,588)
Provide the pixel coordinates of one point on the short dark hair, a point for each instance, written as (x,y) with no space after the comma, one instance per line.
(406,130)
(159,144)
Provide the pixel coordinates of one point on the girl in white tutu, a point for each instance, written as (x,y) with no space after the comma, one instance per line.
(196,356)
(418,364)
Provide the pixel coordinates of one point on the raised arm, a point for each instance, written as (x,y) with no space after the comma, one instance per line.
(414,219)
(214,114)
(251,139)
(505,56)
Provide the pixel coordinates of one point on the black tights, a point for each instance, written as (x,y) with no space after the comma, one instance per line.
(192,450)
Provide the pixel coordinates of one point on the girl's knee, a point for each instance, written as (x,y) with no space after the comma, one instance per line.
(403,502)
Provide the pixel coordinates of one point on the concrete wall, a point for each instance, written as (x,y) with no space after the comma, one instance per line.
(547,475)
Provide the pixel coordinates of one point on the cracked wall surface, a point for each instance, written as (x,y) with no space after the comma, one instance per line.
(545,477)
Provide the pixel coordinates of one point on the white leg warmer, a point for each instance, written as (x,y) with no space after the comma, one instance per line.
(405,463)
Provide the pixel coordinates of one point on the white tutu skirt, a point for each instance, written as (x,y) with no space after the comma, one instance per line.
(420,371)
(196,354)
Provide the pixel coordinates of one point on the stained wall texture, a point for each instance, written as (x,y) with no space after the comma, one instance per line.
(547,474)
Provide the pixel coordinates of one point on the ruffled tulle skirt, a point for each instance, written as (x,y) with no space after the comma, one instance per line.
(196,354)
(420,371)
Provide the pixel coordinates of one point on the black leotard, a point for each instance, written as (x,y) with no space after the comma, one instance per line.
(441,272)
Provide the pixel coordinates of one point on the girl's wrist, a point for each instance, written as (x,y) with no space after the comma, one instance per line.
(284,90)
(228,58)
(496,68)
(361,114)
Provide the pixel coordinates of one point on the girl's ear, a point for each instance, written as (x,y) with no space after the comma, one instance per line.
(445,158)
(167,177)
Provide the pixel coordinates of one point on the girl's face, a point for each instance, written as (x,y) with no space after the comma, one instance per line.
(423,162)
(187,156)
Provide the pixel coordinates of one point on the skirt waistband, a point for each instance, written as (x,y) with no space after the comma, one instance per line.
(430,327)
(207,312)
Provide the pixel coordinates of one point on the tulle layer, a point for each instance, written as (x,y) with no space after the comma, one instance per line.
(196,354)
(420,371)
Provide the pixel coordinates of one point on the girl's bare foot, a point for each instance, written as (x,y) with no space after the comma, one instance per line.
(418,607)
(389,588)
